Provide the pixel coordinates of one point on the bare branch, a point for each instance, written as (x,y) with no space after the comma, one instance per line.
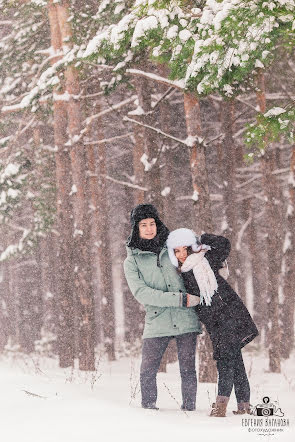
(254,178)
(165,95)
(159,131)
(89,120)
(247,104)
(108,140)
(213,197)
(125,183)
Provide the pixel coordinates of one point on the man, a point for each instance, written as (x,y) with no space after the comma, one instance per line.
(156,284)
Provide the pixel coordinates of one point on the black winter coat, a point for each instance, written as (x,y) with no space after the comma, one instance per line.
(227,320)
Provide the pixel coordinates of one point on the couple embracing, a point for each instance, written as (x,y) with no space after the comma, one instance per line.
(176,277)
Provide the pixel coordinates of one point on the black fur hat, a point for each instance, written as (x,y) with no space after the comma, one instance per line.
(144,211)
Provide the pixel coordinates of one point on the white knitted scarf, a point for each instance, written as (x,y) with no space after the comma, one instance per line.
(204,275)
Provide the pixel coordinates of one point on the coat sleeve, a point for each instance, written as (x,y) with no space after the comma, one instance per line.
(147,295)
(190,283)
(220,247)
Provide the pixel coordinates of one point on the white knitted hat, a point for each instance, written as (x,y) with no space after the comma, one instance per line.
(181,238)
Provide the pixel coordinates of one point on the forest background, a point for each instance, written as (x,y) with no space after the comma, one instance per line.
(188,105)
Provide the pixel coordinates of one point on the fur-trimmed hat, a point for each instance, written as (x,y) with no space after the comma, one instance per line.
(181,238)
(144,211)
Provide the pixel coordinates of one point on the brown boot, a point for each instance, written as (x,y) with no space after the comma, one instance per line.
(243,408)
(219,407)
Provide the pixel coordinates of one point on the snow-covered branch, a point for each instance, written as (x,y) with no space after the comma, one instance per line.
(125,183)
(189,141)
(108,140)
(179,84)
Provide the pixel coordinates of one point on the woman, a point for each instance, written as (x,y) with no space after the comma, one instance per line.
(226,318)
(156,284)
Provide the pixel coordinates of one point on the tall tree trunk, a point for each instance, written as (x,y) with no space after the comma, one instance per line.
(152,178)
(273,242)
(138,149)
(168,177)
(201,195)
(81,258)
(48,271)
(7,298)
(104,249)
(259,302)
(65,299)
(30,302)
(243,218)
(168,181)
(287,341)
(203,213)
(230,197)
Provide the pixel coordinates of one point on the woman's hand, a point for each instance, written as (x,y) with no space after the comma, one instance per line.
(192,300)
(188,300)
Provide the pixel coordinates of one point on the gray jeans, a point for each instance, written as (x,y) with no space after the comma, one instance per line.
(152,352)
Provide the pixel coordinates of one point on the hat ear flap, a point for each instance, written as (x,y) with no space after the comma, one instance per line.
(196,247)
(172,257)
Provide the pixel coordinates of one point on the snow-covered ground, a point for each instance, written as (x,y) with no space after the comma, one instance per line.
(43,403)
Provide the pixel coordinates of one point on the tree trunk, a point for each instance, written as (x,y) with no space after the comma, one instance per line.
(168,176)
(287,341)
(81,258)
(48,271)
(230,203)
(151,150)
(138,149)
(65,299)
(273,242)
(256,257)
(203,213)
(169,185)
(99,192)
(201,195)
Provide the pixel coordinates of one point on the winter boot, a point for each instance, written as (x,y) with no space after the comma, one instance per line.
(219,407)
(243,408)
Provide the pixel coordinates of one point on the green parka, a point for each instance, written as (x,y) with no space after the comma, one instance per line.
(157,285)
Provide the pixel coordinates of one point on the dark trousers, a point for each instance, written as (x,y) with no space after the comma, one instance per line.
(231,372)
(152,352)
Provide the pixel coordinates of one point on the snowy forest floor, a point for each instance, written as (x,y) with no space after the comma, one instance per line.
(41,402)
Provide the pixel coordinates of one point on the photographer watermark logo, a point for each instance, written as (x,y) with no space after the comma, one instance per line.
(267,418)
(267,408)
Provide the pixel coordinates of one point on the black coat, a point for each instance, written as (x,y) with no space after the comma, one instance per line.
(227,320)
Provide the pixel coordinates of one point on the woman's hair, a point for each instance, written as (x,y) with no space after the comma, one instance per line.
(189,252)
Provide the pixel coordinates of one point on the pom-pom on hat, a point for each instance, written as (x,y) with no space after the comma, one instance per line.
(181,238)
